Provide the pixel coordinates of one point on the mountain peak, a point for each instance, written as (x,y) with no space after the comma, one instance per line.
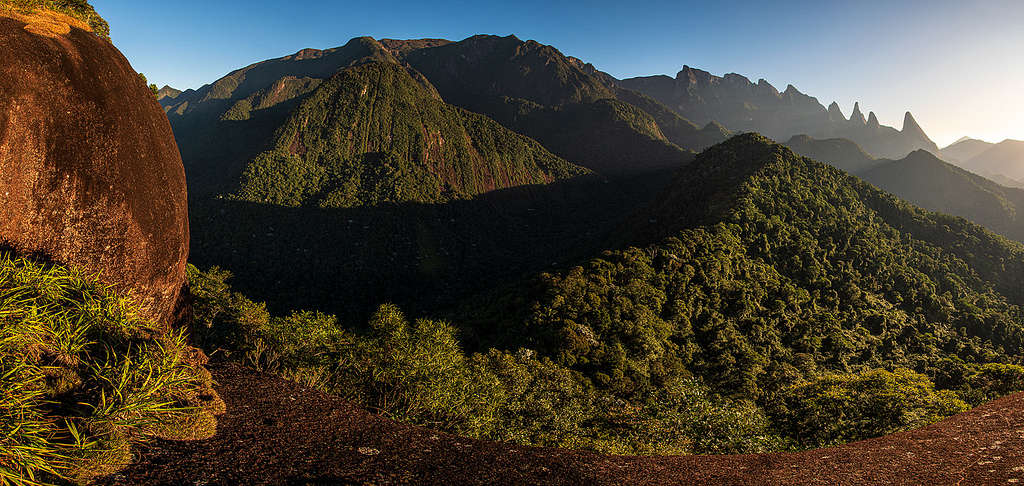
(764,85)
(873,120)
(910,127)
(167,92)
(857,116)
(835,113)
(694,76)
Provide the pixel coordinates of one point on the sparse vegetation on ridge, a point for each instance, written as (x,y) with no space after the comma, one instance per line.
(78,9)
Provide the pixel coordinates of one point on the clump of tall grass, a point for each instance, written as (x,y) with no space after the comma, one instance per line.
(83,377)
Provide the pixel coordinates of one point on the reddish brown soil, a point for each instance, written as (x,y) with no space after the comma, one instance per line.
(278,432)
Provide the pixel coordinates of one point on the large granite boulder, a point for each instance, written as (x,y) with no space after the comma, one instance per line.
(90,174)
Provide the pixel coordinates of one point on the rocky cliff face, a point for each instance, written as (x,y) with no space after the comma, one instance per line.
(89,171)
(743,106)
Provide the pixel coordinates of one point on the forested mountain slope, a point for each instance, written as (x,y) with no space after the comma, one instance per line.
(925,180)
(221,126)
(839,152)
(372,134)
(776,278)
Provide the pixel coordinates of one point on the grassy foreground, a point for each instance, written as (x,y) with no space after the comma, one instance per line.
(83,378)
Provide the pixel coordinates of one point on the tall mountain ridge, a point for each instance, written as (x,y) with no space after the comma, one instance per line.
(743,106)
(372,134)
(526,86)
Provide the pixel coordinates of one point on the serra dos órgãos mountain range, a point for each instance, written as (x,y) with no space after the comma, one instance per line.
(589,263)
(410,155)
(727,277)
(743,106)
(229,134)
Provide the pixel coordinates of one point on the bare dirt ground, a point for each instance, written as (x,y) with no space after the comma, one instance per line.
(279,432)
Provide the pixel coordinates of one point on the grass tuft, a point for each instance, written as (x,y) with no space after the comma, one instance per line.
(83,377)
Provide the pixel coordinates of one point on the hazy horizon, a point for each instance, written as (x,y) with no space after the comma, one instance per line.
(951,64)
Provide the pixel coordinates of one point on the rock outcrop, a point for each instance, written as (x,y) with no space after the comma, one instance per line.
(90,175)
(857,117)
(873,121)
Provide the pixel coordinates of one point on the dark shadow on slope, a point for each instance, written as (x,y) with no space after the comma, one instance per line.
(215,151)
(422,257)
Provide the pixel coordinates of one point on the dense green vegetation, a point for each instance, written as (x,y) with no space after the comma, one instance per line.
(769,272)
(79,9)
(222,126)
(763,302)
(82,377)
(417,371)
(796,307)
(372,134)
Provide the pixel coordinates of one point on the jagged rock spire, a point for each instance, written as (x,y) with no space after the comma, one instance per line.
(873,120)
(835,113)
(766,87)
(910,127)
(857,116)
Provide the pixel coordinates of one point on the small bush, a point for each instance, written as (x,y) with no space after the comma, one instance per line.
(839,408)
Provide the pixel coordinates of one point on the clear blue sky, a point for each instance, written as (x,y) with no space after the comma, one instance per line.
(955,64)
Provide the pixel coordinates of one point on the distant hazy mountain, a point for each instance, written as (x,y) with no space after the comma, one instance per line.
(743,106)
(964,149)
(1005,158)
(1006,181)
(839,152)
(925,180)
(167,92)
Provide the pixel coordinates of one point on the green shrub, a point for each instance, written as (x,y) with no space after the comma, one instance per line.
(840,408)
(416,371)
(993,380)
(83,377)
